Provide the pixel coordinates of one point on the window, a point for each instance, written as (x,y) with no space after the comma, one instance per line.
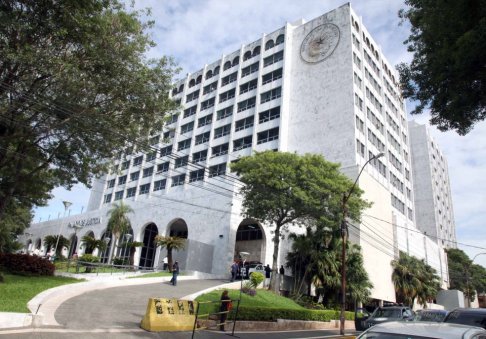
(357,80)
(269,45)
(180,162)
(248,86)
(178,180)
(151,156)
(144,189)
(196,175)
(227,95)
(256,51)
(154,140)
(111,183)
(118,155)
(219,150)
(217,170)
(173,118)
(273,59)
(209,74)
(242,143)
(200,156)
(269,77)
(160,185)
(202,138)
(107,198)
(169,134)
(236,61)
(398,204)
(134,176)
(166,151)
(209,88)
(360,148)
(222,131)
(185,144)
(206,120)
(198,79)
(224,113)
(147,172)
(125,165)
(119,195)
(190,111)
(280,40)
(122,180)
(266,136)
(163,167)
(187,127)
(138,161)
(271,114)
(249,232)
(246,104)
(131,192)
(358,102)
(250,69)
(192,96)
(216,71)
(207,104)
(357,60)
(271,95)
(229,79)
(227,65)
(128,151)
(247,56)
(192,83)
(244,123)
(359,124)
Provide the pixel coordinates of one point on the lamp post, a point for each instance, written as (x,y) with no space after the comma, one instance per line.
(127,239)
(76,229)
(66,205)
(467,282)
(243,256)
(344,231)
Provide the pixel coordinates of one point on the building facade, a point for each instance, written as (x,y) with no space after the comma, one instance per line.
(321,86)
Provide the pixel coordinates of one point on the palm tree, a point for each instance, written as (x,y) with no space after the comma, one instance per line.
(358,284)
(133,247)
(91,244)
(171,243)
(119,223)
(50,241)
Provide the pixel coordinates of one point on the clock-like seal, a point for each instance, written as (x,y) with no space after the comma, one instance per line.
(320,43)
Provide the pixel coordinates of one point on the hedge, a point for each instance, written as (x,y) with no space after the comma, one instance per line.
(27,265)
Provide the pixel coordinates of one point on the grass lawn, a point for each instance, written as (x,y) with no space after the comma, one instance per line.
(17,291)
(262,299)
(153,275)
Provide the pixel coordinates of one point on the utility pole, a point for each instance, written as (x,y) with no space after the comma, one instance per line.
(467,289)
(343,266)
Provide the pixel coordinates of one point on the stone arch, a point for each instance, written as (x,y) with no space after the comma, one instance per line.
(250,237)
(38,244)
(147,255)
(177,228)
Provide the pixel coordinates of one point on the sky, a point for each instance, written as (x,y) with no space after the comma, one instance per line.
(199,32)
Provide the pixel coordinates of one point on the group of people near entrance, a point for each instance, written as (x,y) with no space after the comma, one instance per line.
(237,269)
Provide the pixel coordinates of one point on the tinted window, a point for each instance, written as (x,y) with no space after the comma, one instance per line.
(467,318)
(430,316)
(387,313)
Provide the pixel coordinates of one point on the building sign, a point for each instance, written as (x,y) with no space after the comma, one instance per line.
(85,222)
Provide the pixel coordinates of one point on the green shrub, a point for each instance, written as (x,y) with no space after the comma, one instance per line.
(89,258)
(273,313)
(256,279)
(27,265)
(121,261)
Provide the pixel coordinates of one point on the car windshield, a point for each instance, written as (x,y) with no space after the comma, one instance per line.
(387,313)
(467,318)
(373,334)
(429,316)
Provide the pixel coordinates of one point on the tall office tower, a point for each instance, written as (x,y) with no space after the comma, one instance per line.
(432,190)
(322,86)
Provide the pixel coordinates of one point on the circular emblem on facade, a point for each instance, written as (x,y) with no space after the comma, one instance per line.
(319,43)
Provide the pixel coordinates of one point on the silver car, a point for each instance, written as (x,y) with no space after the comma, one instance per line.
(409,330)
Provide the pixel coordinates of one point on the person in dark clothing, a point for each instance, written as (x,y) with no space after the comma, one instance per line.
(225,307)
(268,270)
(175,273)
(282,270)
(234,270)
(247,270)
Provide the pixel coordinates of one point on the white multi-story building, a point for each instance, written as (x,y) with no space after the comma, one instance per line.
(322,86)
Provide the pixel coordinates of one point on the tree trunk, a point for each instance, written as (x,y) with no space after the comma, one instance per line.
(132,256)
(276,244)
(169,258)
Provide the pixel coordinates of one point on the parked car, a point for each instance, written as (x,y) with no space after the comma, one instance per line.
(386,314)
(467,316)
(430,315)
(422,330)
(253,268)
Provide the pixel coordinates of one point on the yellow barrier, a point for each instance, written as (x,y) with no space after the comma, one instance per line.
(169,315)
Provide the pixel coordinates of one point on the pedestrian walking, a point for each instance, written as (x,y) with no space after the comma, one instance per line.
(234,270)
(282,270)
(225,308)
(268,270)
(175,273)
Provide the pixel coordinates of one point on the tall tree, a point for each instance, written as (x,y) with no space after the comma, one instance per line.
(75,87)
(447,74)
(132,245)
(170,243)
(90,244)
(119,222)
(283,189)
(17,218)
(50,242)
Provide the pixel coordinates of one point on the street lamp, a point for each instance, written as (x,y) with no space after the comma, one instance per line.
(66,205)
(243,256)
(467,281)
(76,229)
(344,230)
(127,239)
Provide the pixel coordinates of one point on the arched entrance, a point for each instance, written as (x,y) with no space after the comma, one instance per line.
(38,244)
(148,250)
(124,252)
(250,238)
(106,254)
(29,246)
(83,248)
(74,245)
(178,229)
